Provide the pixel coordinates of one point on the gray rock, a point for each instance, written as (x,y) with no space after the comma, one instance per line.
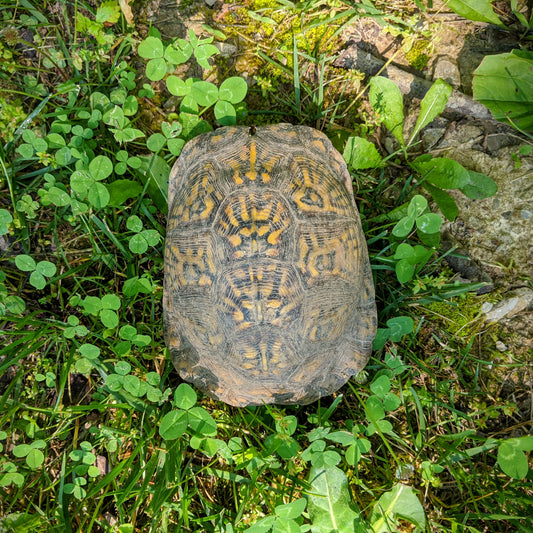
(513,304)
(447,70)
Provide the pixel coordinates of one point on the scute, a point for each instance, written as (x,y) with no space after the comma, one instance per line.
(268,294)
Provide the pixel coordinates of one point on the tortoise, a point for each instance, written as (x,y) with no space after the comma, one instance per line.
(268,292)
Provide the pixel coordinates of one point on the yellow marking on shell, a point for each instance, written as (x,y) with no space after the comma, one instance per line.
(237,179)
(265,176)
(252,174)
(264,360)
(235,240)
(254,246)
(238,315)
(205,281)
(318,145)
(244,209)
(231,216)
(273,238)
(209,204)
(274,304)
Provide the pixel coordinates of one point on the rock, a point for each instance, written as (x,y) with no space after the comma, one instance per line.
(447,70)
(496,232)
(210,3)
(513,304)
(226,49)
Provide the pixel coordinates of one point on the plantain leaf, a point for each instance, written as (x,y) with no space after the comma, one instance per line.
(478,10)
(386,100)
(504,83)
(432,105)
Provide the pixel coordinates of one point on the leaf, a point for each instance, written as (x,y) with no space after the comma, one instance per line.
(25,263)
(201,422)
(478,10)
(512,459)
(204,93)
(46,268)
(225,113)
(122,190)
(173,424)
(156,69)
(37,280)
(504,83)
(291,511)
(360,154)
(155,142)
(100,167)
(403,227)
(150,48)
(329,501)
(178,52)
(400,326)
(400,502)
(432,105)
(386,100)
(98,195)
(233,90)
(442,172)
(203,53)
(185,397)
(445,202)
(429,223)
(480,186)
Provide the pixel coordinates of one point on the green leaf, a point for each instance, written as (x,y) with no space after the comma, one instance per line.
(445,202)
(204,93)
(156,142)
(122,368)
(98,195)
(156,69)
(35,458)
(432,105)
(89,351)
(429,223)
(233,90)
(109,318)
(25,263)
(400,502)
(150,48)
(178,52)
(46,268)
(480,186)
(225,113)
(173,424)
(442,172)
(37,280)
(58,197)
(400,326)
(138,244)
(329,502)
(201,422)
(512,459)
(291,511)
(122,190)
(504,82)
(403,227)
(380,386)
(100,167)
(185,397)
(360,154)
(478,10)
(386,100)
(203,53)
(177,86)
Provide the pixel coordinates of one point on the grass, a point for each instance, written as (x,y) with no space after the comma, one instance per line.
(97,432)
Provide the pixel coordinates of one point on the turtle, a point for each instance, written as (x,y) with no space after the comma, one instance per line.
(268,293)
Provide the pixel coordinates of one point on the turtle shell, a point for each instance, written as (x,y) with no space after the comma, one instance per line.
(268,293)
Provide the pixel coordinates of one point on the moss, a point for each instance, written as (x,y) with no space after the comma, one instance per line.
(458,316)
(418,54)
(275,87)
